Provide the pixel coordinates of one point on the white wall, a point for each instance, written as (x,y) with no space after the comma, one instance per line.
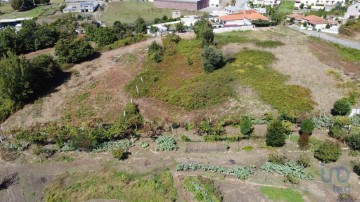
(214,3)
(353,10)
(230,29)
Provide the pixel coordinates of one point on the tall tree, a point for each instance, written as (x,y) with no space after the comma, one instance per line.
(140,26)
(15,77)
(71,50)
(25,38)
(22,5)
(7,40)
(276,134)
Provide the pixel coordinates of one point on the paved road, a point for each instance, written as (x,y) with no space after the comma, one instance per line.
(326,37)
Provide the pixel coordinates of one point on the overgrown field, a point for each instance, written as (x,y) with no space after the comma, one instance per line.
(35,12)
(180,80)
(112,185)
(127,11)
(286,7)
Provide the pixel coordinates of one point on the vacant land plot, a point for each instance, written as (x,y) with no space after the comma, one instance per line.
(35,12)
(286,7)
(129,10)
(112,185)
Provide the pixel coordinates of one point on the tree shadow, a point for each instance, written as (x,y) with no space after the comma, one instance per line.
(8,180)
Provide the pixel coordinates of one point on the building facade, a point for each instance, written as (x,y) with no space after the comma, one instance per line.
(353,11)
(191,5)
(80,6)
(318,4)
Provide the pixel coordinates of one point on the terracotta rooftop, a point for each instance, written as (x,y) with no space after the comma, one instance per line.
(240,16)
(296,16)
(313,19)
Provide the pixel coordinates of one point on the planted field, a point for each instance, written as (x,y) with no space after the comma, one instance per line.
(128,11)
(112,185)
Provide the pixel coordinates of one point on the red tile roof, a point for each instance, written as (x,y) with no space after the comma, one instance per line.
(240,16)
(296,16)
(313,19)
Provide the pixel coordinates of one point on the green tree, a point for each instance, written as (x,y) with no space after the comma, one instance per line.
(246,126)
(105,36)
(25,38)
(45,36)
(22,5)
(7,40)
(71,50)
(45,70)
(353,141)
(276,134)
(120,29)
(328,152)
(140,26)
(203,31)
(15,78)
(212,59)
(341,107)
(180,27)
(307,126)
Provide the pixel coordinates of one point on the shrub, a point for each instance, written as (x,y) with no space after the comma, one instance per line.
(185,138)
(275,135)
(165,143)
(120,154)
(346,197)
(212,59)
(303,160)
(248,148)
(307,126)
(246,126)
(337,132)
(143,144)
(71,50)
(277,158)
(341,107)
(353,141)
(356,167)
(328,152)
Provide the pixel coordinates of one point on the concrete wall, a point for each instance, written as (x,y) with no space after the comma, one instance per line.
(181,5)
(230,29)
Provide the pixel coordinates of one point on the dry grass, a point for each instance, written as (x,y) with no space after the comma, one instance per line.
(303,68)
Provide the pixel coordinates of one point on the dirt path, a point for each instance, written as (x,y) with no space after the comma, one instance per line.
(50,107)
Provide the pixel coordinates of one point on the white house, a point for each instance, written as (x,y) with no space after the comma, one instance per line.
(318,4)
(353,11)
(80,6)
(267,2)
(214,3)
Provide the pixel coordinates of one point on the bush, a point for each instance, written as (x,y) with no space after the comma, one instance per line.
(303,160)
(346,197)
(165,143)
(120,154)
(275,135)
(70,50)
(328,152)
(341,107)
(185,138)
(277,158)
(337,132)
(307,126)
(246,126)
(212,59)
(354,141)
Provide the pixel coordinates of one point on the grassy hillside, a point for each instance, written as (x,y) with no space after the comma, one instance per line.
(112,185)
(180,80)
(351,28)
